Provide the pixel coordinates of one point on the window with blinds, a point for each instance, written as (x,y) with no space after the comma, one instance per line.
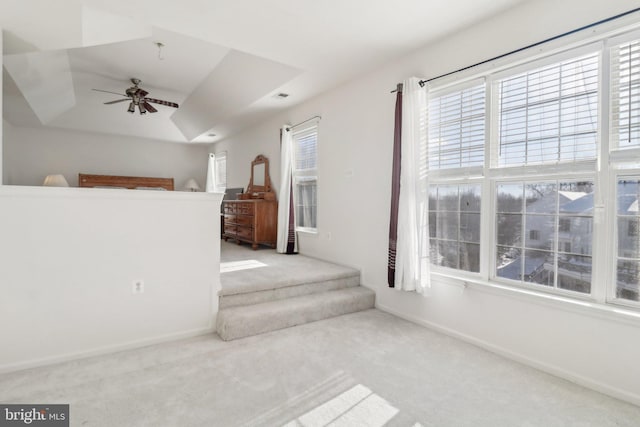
(306,144)
(549,114)
(221,171)
(625,95)
(305,177)
(456,128)
(555,208)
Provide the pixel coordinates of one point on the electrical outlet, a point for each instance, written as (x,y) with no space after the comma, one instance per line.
(137,287)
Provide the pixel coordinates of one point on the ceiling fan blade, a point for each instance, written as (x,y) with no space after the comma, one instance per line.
(116,101)
(141,93)
(150,108)
(108,91)
(161,102)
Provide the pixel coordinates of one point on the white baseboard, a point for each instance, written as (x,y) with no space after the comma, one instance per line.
(545,367)
(34,363)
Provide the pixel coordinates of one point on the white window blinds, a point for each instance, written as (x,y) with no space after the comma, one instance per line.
(549,114)
(306,148)
(625,95)
(456,128)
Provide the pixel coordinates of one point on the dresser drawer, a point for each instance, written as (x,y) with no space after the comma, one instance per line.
(244,208)
(245,232)
(243,220)
(230,219)
(229,208)
(230,228)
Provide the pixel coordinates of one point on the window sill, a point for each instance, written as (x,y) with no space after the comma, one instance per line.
(312,231)
(586,307)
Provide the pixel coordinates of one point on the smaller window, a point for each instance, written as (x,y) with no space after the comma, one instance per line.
(217,173)
(564,225)
(534,234)
(305,176)
(221,171)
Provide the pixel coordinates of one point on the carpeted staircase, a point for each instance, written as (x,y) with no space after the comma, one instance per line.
(287,291)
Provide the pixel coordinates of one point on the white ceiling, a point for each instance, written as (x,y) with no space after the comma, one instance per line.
(222,61)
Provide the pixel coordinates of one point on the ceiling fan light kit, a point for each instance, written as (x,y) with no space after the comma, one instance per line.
(137,97)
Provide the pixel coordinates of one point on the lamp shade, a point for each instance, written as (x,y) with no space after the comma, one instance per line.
(55,181)
(192,185)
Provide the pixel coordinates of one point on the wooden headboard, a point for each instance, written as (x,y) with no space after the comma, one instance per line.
(130,182)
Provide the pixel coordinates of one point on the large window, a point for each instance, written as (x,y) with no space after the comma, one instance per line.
(524,176)
(305,176)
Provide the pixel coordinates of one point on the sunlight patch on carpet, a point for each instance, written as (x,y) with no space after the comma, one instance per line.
(226,267)
(357,406)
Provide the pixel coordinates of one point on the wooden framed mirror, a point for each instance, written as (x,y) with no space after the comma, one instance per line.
(260,182)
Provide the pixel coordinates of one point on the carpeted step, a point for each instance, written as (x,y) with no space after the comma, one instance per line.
(244,321)
(276,290)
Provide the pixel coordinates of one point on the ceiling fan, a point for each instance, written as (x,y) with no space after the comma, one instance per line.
(138,97)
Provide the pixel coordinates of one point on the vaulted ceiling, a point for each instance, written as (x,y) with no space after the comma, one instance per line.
(223,61)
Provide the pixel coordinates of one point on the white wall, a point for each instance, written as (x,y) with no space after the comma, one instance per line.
(1,109)
(264,140)
(69,256)
(31,154)
(355,150)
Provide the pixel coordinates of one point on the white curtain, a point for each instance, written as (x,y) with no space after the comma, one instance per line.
(211,174)
(412,256)
(287,240)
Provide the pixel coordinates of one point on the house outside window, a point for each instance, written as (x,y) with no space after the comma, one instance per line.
(547,261)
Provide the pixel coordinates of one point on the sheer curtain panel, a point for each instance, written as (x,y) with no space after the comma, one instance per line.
(211,174)
(412,251)
(287,242)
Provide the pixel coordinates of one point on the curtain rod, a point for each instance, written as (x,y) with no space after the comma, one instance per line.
(303,122)
(593,24)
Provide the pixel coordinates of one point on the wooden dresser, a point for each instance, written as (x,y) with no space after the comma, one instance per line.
(253,218)
(253,221)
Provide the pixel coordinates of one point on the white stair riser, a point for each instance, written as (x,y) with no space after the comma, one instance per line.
(240,322)
(258,297)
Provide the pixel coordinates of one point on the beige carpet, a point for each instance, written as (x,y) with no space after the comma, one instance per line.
(277,271)
(367,369)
